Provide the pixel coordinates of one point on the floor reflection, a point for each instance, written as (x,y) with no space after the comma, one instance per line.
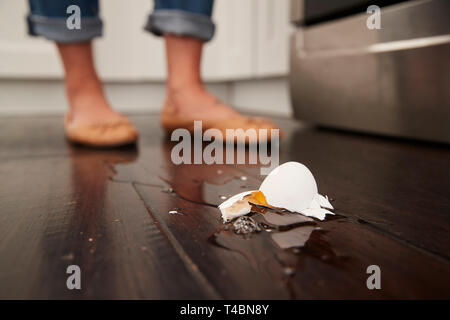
(83,227)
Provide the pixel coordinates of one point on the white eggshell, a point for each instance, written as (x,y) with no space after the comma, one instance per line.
(318,213)
(323,201)
(229,202)
(228,215)
(291,186)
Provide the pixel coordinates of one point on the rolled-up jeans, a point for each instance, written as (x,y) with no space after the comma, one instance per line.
(190,18)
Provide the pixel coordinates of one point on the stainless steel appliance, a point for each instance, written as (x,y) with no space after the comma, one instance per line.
(393,81)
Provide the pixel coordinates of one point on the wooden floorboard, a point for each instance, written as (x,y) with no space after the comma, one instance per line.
(395,186)
(332,265)
(108,212)
(59,211)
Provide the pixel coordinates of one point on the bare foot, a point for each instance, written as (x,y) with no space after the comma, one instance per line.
(91,121)
(183,107)
(88,105)
(195,102)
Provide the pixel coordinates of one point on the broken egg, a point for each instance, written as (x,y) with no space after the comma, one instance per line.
(290,186)
(240,204)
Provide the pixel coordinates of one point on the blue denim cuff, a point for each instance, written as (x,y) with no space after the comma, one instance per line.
(180,23)
(55,29)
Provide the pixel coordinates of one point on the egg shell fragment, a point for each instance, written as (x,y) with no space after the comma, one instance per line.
(323,201)
(290,186)
(226,215)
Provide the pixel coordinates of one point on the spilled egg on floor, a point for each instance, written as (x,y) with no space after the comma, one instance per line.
(291,186)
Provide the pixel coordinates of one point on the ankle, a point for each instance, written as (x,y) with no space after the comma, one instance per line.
(88,97)
(83,85)
(182,88)
(187,98)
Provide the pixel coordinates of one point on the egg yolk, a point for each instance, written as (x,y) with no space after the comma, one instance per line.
(257,197)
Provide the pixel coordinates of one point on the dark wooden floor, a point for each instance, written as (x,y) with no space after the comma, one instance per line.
(107,212)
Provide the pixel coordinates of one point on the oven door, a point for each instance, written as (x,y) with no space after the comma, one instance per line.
(394,80)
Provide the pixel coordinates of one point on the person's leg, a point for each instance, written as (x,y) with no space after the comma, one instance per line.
(186,92)
(90,117)
(87,101)
(186,25)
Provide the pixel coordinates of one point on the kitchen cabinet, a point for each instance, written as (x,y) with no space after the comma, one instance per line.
(251,42)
